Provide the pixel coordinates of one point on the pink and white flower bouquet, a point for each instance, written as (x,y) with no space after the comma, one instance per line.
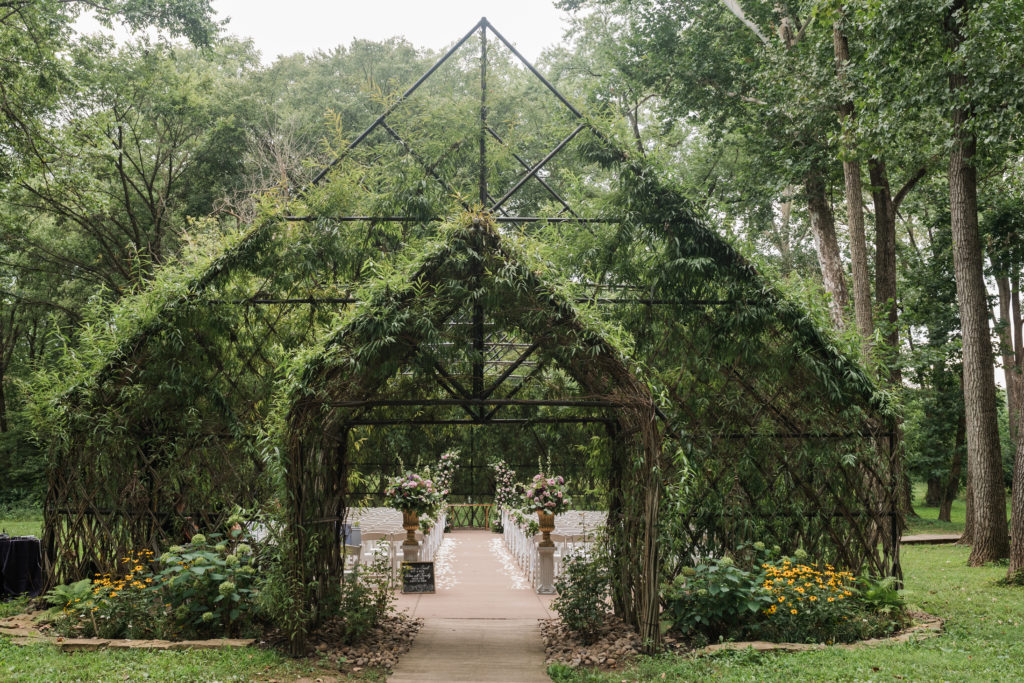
(412,493)
(546,494)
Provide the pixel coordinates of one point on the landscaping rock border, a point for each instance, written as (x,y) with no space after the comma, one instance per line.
(24,630)
(616,643)
(379,649)
(925,626)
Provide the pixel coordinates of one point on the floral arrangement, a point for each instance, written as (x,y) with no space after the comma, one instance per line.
(504,486)
(412,493)
(446,473)
(546,494)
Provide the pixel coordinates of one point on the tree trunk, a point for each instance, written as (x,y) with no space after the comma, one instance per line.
(1015,387)
(885,270)
(1018,347)
(933,496)
(823,227)
(1017,503)
(991,535)
(854,205)
(1006,347)
(955,468)
(886,354)
(967,537)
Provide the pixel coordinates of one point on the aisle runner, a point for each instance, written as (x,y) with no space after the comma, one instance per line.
(444,564)
(517,580)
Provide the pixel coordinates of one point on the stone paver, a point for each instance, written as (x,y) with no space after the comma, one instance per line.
(482,623)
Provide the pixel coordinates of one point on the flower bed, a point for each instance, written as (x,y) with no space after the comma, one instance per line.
(201,589)
(779,599)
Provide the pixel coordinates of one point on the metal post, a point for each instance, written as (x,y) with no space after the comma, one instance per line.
(483,114)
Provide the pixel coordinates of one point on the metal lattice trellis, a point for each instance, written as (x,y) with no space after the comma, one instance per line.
(487,372)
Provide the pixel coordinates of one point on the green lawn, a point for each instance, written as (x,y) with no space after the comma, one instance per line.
(984,637)
(927,521)
(47,663)
(31,525)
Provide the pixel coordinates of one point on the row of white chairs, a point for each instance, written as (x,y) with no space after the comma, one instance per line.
(526,549)
(363,554)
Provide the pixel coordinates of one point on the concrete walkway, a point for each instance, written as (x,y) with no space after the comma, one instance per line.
(481,624)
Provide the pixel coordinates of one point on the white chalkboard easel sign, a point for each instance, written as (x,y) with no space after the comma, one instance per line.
(417,577)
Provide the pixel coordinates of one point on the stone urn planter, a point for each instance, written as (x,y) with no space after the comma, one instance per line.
(547,525)
(410,522)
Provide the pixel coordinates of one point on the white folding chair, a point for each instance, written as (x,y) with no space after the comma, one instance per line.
(353,554)
(370,541)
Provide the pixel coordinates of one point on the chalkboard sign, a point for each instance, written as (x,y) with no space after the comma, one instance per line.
(417,577)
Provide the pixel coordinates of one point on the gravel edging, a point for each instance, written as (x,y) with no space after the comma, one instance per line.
(615,644)
(379,649)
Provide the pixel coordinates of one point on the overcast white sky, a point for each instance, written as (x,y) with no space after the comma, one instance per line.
(305,25)
(283,27)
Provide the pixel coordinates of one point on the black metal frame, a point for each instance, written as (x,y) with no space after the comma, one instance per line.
(476,400)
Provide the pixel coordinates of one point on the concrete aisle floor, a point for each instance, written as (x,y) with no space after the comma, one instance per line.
(481,624)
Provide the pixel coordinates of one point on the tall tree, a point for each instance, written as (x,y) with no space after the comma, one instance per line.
(862,307)
(150,137)
(991,535)
(1004,230)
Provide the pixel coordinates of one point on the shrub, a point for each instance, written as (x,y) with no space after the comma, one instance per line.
(810,604)
(208,584)
(583,589)
(714,599)
(785,600)
(367,596)
(203,588)
(66,595)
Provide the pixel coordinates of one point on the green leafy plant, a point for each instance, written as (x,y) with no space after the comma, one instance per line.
(879,595)
(68,594)
(583,589)
(716,599)
(367,596)
(209,584)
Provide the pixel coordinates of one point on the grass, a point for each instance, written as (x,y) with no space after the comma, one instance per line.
(927,521)
(29,524)
(983,638)
(47,663)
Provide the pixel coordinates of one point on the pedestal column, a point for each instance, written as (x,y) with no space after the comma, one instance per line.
(547,570)
(547,554)
(410,546)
